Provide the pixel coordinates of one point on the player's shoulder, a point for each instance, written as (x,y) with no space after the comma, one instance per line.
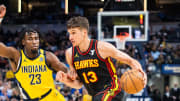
(106,49)
(104,45)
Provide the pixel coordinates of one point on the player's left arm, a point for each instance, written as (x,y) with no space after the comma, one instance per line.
(55,63)
(108,50)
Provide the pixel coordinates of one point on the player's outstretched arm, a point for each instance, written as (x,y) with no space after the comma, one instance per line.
(8,52)
(55,63)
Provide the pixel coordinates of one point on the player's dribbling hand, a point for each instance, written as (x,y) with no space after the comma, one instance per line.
(2,11)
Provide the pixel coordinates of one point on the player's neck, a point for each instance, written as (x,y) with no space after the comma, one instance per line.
(29,53)
(84,45)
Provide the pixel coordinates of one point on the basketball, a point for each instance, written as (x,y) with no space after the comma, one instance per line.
(132,81)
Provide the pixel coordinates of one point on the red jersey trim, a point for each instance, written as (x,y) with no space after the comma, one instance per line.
(84,53)
(115,81)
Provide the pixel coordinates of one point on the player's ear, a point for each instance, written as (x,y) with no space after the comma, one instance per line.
(85,32)
(23,41)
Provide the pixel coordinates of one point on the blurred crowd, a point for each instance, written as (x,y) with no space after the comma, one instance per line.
(157,51)
(169,94)
(162,48)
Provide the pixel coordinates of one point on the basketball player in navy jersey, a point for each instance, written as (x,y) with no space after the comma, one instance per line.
(91,61)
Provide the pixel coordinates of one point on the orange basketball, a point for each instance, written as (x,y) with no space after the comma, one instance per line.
(132,81)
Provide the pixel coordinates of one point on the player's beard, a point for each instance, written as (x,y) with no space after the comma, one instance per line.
(34,51)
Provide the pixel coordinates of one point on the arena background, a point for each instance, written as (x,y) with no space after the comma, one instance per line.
(159,55)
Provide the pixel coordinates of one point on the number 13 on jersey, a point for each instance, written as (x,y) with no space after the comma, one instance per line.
(90,77)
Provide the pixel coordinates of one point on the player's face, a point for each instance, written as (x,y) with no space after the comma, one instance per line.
(76,35)
(31,42)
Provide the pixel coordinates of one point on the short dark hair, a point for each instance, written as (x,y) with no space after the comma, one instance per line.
(78,21)
(25,31)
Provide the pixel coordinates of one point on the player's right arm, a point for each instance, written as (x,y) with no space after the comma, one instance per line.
(11,53)
(70,78)
(8,52)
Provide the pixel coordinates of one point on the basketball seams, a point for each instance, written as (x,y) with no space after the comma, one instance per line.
(126,83)
(129,74)
(137,77)
(129,79)
(124,78)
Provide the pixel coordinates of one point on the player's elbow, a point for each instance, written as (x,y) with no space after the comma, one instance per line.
(1,44)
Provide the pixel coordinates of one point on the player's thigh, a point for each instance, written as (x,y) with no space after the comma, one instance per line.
(54,96)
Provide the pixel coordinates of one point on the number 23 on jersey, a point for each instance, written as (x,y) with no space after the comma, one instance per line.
(35,79)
